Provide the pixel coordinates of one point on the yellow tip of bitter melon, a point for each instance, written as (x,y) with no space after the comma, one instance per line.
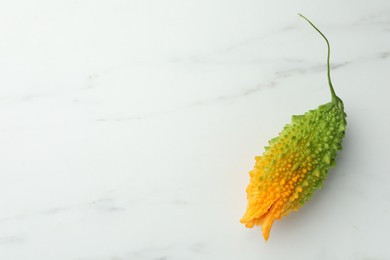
(296,163)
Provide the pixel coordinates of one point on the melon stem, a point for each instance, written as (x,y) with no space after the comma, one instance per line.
(335,99)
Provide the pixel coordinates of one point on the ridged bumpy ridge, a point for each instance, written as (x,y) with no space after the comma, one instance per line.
(296,163)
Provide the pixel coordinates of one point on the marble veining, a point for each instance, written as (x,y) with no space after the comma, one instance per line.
(128,128)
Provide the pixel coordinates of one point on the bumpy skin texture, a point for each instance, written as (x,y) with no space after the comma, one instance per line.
(294,165)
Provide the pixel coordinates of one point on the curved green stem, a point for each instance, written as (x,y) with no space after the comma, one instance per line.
(334,97)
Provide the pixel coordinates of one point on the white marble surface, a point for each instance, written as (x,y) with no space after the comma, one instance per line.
(128,127)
